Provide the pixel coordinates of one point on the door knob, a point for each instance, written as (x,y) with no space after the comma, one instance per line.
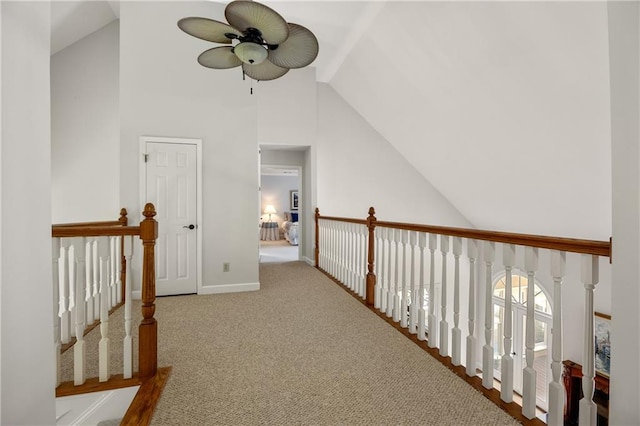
(190,226)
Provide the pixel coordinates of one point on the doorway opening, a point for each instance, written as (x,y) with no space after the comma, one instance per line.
(280,221)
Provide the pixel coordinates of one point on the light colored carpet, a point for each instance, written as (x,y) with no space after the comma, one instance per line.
(301,351)
(277,252)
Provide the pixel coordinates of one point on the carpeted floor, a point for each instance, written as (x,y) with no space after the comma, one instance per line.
(300,351)
(277,252)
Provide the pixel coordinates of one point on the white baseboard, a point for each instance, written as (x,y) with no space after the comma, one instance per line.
(229,288)
(215,289)
(308,261)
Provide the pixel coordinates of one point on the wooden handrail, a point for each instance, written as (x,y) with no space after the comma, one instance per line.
(94,231)
(343,219)
(593,247)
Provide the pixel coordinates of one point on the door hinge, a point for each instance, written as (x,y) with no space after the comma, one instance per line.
(146,158)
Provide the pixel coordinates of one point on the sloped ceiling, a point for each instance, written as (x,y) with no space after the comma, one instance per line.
(502,106)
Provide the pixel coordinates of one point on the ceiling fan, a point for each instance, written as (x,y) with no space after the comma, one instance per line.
(267,46)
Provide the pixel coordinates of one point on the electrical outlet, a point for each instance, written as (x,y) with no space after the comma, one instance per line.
(226,266)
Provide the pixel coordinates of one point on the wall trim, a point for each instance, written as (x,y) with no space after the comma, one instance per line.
(215,289)
(228,288)
(308,261)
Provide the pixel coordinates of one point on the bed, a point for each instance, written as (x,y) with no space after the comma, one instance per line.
(290,227)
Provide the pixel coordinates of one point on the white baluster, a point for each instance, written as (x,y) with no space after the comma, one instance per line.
(118,262)
(104,345)
(378,267)
(353,284)
(331,246)
(71,286)
(506,386)
(456,333)
(112,272)
(472,253)
(324,242)
(327,247)
(128,341)
(55,256)
(444,325)
(364,261)
(79,350)
(590,278)
(422,332)
(396,287)
(556,387)
(63,281)
(88,280)
(96,279)
(322,239)
(413,318)
(432,340)
(404,302)
(487,349)
(350,257)
(343,253)
(529,375)
(390,280)
(384,291)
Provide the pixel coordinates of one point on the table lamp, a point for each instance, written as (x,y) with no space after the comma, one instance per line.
(269,210)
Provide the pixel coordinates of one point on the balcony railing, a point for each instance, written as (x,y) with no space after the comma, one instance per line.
(396,269)
(92,276)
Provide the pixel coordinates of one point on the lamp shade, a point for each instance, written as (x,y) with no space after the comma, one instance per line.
(269,209)
(250,53)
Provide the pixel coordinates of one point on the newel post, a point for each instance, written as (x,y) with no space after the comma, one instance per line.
(371,277)
(148,349)
(317,247)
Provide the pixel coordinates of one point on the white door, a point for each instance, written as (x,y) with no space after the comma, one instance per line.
(171,170)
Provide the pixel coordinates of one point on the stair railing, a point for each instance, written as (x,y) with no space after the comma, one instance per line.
(92,276)
(393,268)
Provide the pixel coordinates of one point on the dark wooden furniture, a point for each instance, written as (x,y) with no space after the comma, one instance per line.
(572,375)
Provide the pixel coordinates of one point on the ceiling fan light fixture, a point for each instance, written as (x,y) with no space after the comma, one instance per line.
(250,53)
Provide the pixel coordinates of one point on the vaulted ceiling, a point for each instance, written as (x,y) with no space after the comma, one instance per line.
(502,106)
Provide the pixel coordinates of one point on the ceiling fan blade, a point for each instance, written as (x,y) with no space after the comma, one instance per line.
(243,14)
(219,58)
(299,50)
(207,29)
(264,71)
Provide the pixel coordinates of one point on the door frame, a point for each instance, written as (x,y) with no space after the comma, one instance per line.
(199,216)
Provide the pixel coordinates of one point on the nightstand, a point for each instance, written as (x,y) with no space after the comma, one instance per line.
(269,231)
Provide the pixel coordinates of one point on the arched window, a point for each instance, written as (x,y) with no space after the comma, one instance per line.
(542,325)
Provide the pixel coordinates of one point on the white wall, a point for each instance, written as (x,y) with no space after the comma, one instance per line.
(358,168)
(275,190)
(624,45)
(26,309)
(287,108)
(85,129)
(165,92)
